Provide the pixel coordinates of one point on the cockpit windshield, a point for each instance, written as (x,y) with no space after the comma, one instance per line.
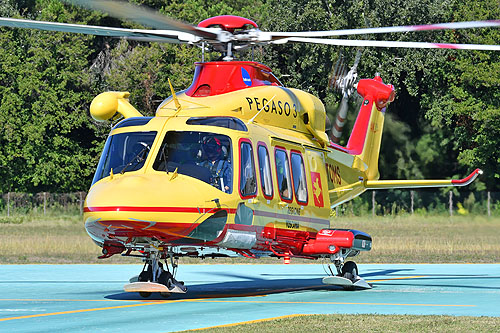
(202,155)
(124,152)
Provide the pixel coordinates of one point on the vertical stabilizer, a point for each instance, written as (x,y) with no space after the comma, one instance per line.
(366,135)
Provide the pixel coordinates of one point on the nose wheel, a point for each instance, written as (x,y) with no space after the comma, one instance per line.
(155,278)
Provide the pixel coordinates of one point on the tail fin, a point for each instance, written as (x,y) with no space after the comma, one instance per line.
(366,135)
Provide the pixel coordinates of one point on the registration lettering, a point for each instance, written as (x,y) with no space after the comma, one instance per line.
(294,210)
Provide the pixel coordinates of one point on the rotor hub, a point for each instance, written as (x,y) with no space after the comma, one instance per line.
(227,23)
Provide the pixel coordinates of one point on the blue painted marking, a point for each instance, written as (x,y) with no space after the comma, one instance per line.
(224,294)
(246,77)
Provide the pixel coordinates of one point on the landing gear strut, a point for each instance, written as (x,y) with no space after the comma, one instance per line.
(347,274)
(154,278)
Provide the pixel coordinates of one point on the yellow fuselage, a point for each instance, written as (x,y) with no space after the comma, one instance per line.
(284,176)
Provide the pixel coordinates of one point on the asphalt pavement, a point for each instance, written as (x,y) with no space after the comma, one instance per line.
(41,298)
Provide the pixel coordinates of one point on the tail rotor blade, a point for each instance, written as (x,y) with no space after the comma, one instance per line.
(338,125)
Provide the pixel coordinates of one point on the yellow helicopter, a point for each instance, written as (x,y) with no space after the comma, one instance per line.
(236,163)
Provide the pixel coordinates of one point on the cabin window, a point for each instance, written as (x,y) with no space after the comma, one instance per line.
(299,177)
(225,122)
(265,172)
(248,181)
(201,155)
(133,121)
(283,173)
(124,152)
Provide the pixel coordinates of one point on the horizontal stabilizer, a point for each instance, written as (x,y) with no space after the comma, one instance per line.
(387,184)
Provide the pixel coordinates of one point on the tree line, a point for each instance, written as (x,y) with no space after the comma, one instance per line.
(444,122)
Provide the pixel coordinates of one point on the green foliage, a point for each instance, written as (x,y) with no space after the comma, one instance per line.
(465,105)
(445,119)
(43,110)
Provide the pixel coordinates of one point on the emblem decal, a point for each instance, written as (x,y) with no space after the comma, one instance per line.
(317,189)
(246,77)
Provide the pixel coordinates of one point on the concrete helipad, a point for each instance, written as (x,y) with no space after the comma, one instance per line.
(91,298)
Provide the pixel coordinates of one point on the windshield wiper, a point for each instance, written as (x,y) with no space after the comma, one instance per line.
(138,158)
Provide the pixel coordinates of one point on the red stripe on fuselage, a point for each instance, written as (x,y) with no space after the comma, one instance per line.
(157,209)
(204,211)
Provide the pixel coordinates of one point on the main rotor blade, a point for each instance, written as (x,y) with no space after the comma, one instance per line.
(376,43)
(165,36)
(405,28)
(142,15)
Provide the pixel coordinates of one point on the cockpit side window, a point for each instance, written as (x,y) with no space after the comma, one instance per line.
(201,155)
(248,179)
(124,152)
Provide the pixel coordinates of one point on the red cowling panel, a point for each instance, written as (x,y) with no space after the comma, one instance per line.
(220,77)
(227,22)
(325,238)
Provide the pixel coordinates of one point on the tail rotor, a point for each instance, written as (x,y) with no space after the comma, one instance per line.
(343,81)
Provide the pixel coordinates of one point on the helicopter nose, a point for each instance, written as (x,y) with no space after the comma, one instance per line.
(139,190)
(141,205)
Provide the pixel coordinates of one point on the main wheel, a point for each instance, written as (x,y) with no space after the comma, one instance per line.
(146,275)
(165,278)
(144,294)
(350,270)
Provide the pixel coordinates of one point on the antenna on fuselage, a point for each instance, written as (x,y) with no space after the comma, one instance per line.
(174,96)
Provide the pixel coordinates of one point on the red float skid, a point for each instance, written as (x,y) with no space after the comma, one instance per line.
(328,241)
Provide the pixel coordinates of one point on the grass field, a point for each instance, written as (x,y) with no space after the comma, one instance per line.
(367,323)
(62,239)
